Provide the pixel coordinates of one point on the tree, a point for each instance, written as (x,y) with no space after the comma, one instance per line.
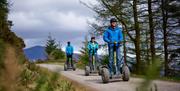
(53,49)
(5,27)
(84,58)
(151,28)
(51,45)
(125,12)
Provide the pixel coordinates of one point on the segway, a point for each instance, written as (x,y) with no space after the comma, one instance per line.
(125,73)
(69,65)
(95,69)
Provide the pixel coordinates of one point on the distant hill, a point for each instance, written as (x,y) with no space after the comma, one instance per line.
(35,53)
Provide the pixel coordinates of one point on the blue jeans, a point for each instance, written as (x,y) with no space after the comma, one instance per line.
(111,66)
(91,63)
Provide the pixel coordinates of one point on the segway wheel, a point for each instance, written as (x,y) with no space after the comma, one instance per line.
(99,70)
(125,73)
(74,67)
(87,71)
(65,67)
(105,75)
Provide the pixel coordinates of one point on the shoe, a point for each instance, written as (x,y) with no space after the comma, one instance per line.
(110,77)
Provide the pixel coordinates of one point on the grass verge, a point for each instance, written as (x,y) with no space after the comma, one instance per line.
(40,79)
(2,51)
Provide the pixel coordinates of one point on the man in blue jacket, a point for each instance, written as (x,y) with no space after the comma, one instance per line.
(114,37)
(92,49)
(69,54)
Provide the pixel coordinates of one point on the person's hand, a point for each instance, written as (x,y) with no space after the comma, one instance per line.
(115,42)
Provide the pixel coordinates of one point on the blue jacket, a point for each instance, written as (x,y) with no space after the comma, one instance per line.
(113,35)
(69,50)
(92,47)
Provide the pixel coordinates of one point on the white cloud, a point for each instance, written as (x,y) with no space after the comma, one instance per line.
(66,19)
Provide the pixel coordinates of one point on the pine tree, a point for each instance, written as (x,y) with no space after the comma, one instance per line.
(84,51)
(54,49)
(51,45)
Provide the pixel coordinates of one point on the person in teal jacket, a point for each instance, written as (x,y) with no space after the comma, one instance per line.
(113,36)
(69,53)
(92,49)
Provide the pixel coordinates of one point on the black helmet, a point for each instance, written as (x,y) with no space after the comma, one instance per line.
(92,38)
(113,20)
(68,42)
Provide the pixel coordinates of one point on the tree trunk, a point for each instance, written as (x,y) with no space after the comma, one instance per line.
(137,38)
(124,44)
(164,14)
(151,28)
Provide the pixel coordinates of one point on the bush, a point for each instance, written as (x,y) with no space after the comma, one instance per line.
(39,79)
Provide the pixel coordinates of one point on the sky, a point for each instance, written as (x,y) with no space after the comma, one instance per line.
(65,20)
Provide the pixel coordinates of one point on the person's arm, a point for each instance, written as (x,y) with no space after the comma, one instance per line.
(106,36)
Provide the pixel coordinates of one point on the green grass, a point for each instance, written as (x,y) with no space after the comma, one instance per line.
(35,78)
(173,79)
(58,61)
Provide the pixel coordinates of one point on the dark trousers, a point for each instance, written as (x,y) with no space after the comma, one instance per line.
(96,64)
(111,64)
(69,60)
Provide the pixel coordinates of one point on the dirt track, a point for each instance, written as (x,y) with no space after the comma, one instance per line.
(94,81)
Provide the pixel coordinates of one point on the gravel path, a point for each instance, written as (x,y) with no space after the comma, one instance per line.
(94,81)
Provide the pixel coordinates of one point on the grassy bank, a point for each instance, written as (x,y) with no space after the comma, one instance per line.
(41,79)
(2,51)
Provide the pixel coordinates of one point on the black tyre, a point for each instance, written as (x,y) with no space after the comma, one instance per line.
(100,70)
(105,75)
(87,71)
(125,73)
(74,67)
(65,67)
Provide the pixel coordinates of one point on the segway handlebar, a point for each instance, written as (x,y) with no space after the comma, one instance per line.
(115,42)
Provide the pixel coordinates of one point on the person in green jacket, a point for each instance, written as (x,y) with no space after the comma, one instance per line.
(92,49)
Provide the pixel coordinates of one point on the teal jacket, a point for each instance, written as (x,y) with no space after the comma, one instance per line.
(92,48)
(69,50)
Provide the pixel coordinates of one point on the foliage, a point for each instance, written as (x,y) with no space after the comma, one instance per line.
(152,72)
(58,54)
(39,79)
(105,59)
(53,50)
(152,27)
(51,45)
(84,58)
(5,27)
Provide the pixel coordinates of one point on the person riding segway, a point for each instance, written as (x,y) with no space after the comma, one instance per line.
(69,64)
(114,37)
(93,57)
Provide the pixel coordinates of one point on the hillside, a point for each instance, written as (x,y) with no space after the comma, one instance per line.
(35,53)
(10,74)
